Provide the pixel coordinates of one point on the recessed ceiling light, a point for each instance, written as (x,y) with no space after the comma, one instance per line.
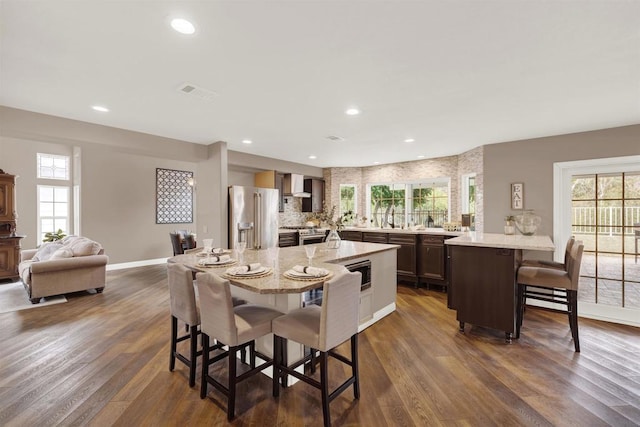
(409,140)
(100,108)
(421,157)
(376,163)
(312,157)
(247,141)
(352,112)
(183,26)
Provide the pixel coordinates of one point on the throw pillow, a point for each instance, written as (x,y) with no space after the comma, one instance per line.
(62,253)
(83,246)
(46,250)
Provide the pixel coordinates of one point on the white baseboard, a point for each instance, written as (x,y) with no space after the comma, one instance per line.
(143,263)
(384,311)
(623,316)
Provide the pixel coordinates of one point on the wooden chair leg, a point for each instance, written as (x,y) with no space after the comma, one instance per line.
(573,308)
(324,387)
(193,356)
(174,343)
(277,350)
(354,366)
(205,366)
(231,398)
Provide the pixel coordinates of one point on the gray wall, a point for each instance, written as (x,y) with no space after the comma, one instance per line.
(117,180)
(531,162)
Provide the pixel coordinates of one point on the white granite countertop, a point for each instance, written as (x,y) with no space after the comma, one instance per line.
(280,260)
(495,240)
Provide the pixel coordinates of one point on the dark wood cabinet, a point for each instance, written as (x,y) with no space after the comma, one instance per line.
(374,237)
(288,239)
(406,263)
(432,257)
(9,240)
(354,236)
(315,187)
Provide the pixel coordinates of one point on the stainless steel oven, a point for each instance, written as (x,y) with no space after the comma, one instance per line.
(309,238)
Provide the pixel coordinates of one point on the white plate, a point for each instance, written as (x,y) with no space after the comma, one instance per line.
(203,254)
(208,264)
(294,273)
(237,271)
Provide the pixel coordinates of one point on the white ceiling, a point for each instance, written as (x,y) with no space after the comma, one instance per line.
(453,75)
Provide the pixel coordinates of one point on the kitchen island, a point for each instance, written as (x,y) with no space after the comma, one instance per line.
(377,299)
(483,272)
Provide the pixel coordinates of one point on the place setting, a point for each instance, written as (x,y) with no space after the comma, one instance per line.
(217,261)
(308,272)
(248,271)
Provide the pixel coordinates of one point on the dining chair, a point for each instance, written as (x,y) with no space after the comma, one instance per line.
(322,328)
(552,285)
(176,243)
(237,327)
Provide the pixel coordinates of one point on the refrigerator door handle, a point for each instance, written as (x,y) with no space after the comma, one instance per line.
(257,206)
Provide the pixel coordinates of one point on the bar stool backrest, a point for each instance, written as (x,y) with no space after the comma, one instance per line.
(339,319)
(182,294)
(573,264)
(216,304)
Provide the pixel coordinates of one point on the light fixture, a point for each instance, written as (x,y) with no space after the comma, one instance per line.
(312,157)
(352,112)
(421,156)
(376,163)
(183,26)
(191,181)
(409,140)
(247,141)
(100,108)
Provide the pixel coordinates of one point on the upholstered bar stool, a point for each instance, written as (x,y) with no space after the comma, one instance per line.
(552,264)
(552,285)
(184,308)
(235,326)
(323,328)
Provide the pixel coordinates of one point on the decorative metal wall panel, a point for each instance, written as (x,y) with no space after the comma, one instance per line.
(174,197)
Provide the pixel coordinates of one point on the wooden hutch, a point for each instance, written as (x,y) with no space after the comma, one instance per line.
(9,240)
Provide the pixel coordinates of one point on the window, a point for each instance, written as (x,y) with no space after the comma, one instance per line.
(348,198)
(468,201)
(51,166)
(53,209)
(399,204)
(54,202)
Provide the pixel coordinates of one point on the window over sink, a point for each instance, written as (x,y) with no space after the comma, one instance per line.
(423,202)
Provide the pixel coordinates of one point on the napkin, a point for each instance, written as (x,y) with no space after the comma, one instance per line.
(254,266)
(311,271)
(217,251)
(215,259)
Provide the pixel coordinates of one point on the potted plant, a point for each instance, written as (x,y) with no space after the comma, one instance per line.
(53,236)
(509,226)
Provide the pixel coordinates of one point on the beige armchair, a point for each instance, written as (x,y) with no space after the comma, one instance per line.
(56,276)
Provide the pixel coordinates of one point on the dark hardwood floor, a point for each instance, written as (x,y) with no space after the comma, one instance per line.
(103,360)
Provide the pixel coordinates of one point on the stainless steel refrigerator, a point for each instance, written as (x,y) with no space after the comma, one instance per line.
(253,217)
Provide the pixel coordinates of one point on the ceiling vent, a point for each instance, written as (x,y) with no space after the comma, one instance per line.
(198,92)
(335,138)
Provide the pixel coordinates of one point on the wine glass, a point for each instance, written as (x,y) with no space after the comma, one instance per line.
(311,251)
(240,247)
(208,247)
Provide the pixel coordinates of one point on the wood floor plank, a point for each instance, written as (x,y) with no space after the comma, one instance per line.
(102,360)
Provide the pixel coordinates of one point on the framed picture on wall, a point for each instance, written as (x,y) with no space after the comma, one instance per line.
(174,196)
(517,195)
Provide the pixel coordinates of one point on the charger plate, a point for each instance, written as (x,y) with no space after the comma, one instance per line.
(306,278)
(218,265)
(267,271)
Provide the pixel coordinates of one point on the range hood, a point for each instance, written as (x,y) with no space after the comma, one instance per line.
(294,185)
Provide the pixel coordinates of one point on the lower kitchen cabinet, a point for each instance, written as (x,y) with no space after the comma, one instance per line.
(432,259)
(406,255)
(373,237)
(354,236)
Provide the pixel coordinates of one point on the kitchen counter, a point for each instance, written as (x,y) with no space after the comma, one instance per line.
(438,231)
(495,240)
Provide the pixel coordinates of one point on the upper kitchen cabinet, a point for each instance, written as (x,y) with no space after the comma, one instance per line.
(271,179)
(315,187)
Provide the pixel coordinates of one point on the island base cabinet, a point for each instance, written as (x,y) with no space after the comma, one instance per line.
(483,286)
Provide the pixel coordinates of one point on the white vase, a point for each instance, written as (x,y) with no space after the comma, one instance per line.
(509,229)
